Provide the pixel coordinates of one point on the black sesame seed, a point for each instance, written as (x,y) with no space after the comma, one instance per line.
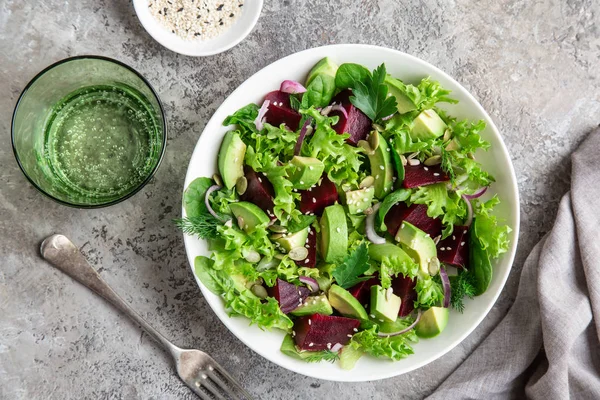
(220,7)
(241,5)
(169,2)
(198,17)
(196,34)
(160,12)
(173,31)
(231,15)
(220,23)
(180,9)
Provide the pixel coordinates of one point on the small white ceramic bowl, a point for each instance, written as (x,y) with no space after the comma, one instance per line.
(235,34)
(496,160)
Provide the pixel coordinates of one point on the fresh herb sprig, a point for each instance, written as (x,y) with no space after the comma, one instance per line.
(324,355)
(370,95)
(355,264)
(203,225)
(461,286)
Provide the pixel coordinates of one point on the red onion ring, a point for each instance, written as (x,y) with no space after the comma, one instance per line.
(340,108)
(477,194)
(303,132)
(312,283)
(446,285)
(469,211)
(291,87)
(388,117)
(336,347)
(259,121)
(207,202)
(370,227)
(411,326)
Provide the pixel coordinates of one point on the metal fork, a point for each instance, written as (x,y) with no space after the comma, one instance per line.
(197,369)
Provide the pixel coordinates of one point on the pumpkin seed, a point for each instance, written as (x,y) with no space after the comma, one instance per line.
(367,182)
(279,256)
(240,222)
(403,159)
(433,160)
(412,155)
(259,291)
(241,185)
(278,229)
(363,144)
(414,161)
(447,135)
(217,179)
(471,155)
(374,141)
(298,253)
(453,145)
(252,256)
(437,239)
(276,236)
(434,266)
(378,127)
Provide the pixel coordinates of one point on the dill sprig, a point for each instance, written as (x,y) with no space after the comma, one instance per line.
(324,355)
(461,286)
(204,226)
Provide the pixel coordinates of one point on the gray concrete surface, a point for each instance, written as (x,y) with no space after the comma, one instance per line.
(534,65)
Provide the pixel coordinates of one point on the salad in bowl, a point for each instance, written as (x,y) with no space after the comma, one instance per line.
(346,211)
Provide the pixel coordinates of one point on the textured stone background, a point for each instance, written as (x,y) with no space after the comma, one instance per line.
(534,65)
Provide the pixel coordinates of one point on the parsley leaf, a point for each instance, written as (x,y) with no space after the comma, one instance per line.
(355,264)
(371,96)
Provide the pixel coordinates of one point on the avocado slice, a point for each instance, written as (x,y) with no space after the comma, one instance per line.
(381,167)
(398,89)
(323,67)
(384,306)
(231,158)
(308,171)
(250,213)
(390,251)
(428,125)
(359,200)
(313,305)
(334,234)
(293,240)
(432,322)
(416,244)
(346,304)
(241,283)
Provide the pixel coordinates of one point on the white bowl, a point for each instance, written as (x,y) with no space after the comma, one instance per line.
(496,160)
(235,34)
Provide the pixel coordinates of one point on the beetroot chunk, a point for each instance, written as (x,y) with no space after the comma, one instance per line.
(260,190)
(314,200)
(404,287)
(287,295)
(416,215)
(362,291)
(454,250)
(311,246)
(280,111)
(421,175)
(358,125)
(316,332)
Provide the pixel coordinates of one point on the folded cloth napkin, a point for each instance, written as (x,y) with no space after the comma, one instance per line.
(548,345)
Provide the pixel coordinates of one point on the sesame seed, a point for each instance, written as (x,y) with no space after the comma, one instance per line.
(355,330)
(260,179)
(436,174)
(309,322)
(314,200)
(462,243)
(380,320)
(448,248)
(311,167)
(426,169)
(236,159)
(376,176)
(381,167)
(359,210)
(442,248)
(293,333)
(453,237)
(311,344)
(302,182)
(307,260)
(329,345)
(372,316)
(338,230)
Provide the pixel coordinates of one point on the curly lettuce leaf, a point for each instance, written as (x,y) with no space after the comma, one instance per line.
(429,292)
(393,347)
(394,266)
(441,203)
(244,119)
(492,235)
(342,162)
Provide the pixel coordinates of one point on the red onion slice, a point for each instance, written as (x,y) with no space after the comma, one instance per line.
(446,286)
(260,118)
(291,87)
(388,117)
(303,132)
(411,326)
(310,282)
(340,108)
(469,211)
(477,194)
(209,191)
(370,227)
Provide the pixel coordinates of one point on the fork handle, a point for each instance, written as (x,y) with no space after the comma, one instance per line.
(64,255)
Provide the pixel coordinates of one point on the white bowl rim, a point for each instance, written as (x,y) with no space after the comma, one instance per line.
(304,368)
(190,48)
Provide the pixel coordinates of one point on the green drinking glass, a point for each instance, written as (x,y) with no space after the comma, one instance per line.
(89,131)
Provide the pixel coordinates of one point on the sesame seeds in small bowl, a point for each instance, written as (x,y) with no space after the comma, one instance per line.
(198,27)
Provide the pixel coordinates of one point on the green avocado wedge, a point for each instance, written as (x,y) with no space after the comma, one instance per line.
(249,214)
(334,234)
(346,304)
(231,159)
(432,322)
(382,168)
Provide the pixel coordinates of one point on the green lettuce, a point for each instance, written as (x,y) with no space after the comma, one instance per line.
(492,235)
(393,347)
(441,202)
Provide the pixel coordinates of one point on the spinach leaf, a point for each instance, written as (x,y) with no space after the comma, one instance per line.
(295,103)
(319,92)
(388,202)
(398,166)
(193,197)
(300,222)
(479,264)
(216,281)
(244,117)
(348,74)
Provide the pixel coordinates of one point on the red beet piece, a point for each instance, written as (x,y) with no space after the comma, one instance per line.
(260,190)
(280,110)
(362,291)
(454,250)
(288,296)
(404,287)
(421,175)
(323,329)
(315,200)
(311,246)
(358,125)
(416,215)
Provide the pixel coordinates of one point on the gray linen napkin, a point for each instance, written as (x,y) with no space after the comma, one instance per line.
(547,346)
